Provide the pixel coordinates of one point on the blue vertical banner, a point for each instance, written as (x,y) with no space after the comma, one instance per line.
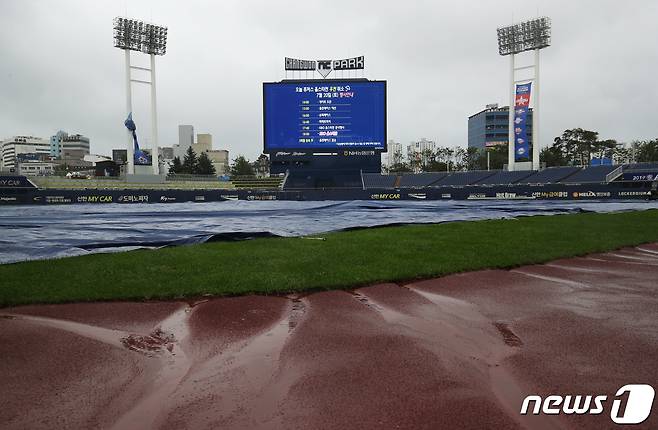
(521,106)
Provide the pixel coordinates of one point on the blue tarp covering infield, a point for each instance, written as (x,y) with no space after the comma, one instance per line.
(44,232)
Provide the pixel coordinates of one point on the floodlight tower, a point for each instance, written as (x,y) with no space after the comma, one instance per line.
(514,39)
(134,35)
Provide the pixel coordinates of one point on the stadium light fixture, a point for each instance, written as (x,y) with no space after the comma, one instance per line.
(151,39)
(532,35)
(525,36)
(137,35)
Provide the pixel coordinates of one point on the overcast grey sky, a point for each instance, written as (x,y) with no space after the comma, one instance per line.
(59,69)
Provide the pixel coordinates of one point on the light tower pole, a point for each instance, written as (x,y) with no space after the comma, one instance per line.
(154,122)
(530,35)
(130,150)
(134,35)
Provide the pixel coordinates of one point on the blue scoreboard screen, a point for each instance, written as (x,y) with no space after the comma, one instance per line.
(324,115)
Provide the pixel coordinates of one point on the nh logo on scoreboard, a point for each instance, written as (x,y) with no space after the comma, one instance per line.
(325,67)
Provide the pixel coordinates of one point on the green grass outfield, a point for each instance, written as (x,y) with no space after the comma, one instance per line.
(342,260)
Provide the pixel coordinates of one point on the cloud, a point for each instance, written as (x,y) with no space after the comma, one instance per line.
(59,69)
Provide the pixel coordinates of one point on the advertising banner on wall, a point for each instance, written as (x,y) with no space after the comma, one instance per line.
(521,106)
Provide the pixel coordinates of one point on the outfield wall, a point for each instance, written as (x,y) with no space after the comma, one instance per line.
(20,193)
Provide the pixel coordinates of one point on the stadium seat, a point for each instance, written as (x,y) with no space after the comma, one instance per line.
(550,175)
(589,174)
(375,180)
(420,180)
(504,177)
(465,178)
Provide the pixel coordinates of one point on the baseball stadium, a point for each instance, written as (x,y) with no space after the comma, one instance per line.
(330,293)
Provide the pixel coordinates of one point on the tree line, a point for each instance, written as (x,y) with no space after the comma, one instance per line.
(192,164)
(575,147)
(445,159)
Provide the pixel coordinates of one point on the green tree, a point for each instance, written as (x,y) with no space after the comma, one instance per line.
(176,166)
(426,159)
(498,157)
(398,158)
(204,165)
(415,162)
(552,156)
(61,169)
(397,165)
(577,146)
(241,167)
(646,150)
(190,162)
(400,167)
(623,154)
(604,148)
(459,156)
(435,166)
(443,159)
(475,159)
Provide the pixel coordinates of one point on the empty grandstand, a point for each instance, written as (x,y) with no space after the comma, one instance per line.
(649,165)
(106,183)
(630,181)
(592,174)
(551,175)
(458,179)
(254,183)
(421,180)
(504,177)
(375,180)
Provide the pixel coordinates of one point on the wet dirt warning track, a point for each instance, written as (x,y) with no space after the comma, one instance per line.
(456,352)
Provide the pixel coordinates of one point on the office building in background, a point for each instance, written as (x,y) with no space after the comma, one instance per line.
(185,140)
(490,127)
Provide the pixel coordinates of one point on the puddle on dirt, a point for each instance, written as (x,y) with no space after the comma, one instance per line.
(170,333)
(509,337)
(176,324)
(100,334)
(510,395)
(296,312)
(649,251)
(7,317)
(647,259)
(565,282)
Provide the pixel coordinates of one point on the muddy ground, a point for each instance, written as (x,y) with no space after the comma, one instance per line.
(456,352)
